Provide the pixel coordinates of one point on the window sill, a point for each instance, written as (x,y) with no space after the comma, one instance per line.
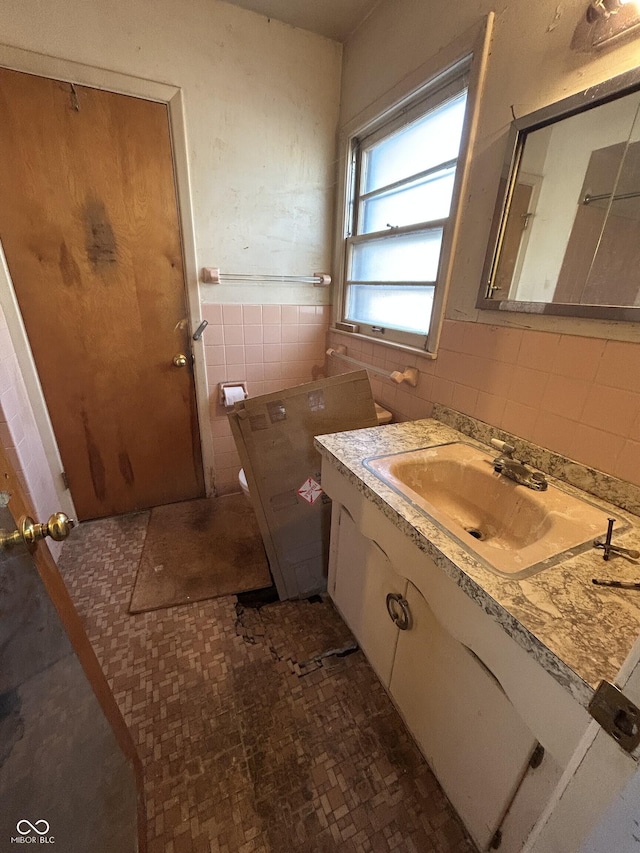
(421,353)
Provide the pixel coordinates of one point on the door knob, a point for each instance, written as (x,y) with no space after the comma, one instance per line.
(29,531)
(180,360)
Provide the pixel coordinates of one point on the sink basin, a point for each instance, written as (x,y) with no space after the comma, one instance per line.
(514,530)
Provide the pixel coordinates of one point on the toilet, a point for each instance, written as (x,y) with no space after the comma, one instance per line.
(384,417)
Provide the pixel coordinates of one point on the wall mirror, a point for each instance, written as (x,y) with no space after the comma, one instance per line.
(565,236)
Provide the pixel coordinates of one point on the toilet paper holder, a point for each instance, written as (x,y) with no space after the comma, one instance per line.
(232,392)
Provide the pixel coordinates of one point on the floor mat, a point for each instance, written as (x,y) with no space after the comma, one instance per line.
(199,549)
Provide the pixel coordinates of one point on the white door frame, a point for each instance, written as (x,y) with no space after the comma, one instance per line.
(124,84)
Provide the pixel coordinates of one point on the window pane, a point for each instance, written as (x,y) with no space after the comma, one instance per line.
(405,257)
(420,201)
(407,308)
(433,139)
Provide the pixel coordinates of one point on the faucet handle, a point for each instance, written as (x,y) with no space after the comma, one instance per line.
(503,447)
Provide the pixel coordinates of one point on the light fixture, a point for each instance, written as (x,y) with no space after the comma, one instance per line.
(611,19)
(599,9)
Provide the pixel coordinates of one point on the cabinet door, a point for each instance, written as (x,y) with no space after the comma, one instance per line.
(467,729)
(364,577)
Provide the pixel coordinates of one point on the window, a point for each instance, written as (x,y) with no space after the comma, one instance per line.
(401,191)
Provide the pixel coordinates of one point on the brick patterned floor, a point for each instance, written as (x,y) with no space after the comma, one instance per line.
(261,730)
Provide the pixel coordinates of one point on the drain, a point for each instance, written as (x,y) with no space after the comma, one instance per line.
(473,531)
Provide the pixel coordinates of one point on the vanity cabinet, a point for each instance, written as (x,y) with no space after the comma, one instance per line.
(364,576)
(471,735)
(474,701)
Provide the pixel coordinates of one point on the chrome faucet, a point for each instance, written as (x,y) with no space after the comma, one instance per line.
(514,470)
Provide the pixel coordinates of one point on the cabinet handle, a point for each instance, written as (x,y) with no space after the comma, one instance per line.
(401,617)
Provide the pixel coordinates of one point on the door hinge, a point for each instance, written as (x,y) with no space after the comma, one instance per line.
(617,715)
(65,481)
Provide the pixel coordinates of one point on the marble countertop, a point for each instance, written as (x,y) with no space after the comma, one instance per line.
(580,633)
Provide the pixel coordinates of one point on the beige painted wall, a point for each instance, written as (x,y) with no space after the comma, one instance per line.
(261,104)
(531,65)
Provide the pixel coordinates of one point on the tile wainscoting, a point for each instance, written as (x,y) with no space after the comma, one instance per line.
(577,396)
(272,347)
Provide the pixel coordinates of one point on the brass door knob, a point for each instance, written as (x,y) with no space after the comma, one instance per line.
(180,360)
(57,527)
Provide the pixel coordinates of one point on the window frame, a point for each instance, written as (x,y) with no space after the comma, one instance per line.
(445,87)
(468,56)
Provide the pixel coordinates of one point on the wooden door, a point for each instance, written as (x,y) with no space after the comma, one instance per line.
(69,772)
(89,225)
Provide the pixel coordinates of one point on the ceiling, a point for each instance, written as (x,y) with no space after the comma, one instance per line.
(335,19)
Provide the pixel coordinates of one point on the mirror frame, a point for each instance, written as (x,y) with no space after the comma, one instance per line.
(609,90)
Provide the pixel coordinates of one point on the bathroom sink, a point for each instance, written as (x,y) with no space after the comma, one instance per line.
(514,530)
